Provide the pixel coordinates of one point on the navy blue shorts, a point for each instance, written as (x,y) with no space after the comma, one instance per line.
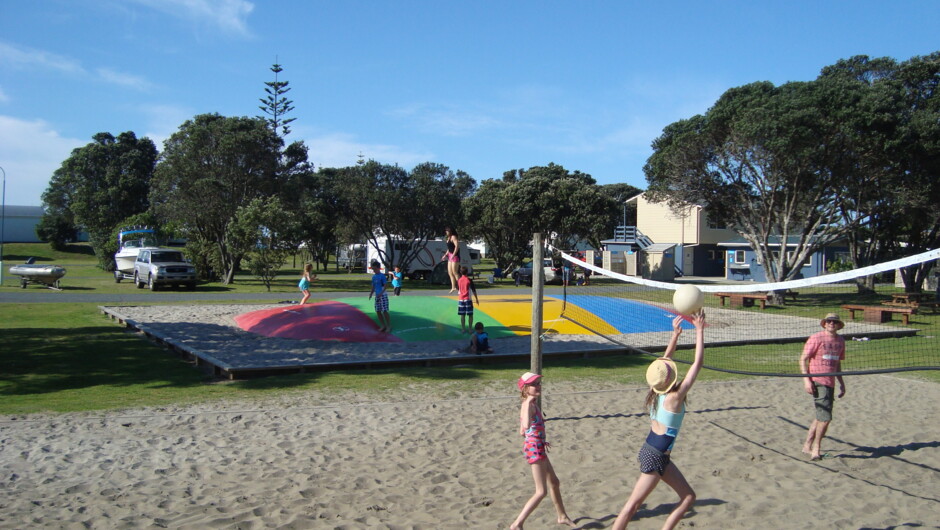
(464,307)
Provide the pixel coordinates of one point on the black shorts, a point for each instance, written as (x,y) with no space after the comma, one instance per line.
(652,459)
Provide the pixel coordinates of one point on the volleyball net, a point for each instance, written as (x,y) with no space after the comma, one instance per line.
(760,328)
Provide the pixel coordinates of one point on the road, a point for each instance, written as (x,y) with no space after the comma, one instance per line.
(37,296)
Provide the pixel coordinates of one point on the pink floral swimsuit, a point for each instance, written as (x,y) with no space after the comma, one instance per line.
(534,446)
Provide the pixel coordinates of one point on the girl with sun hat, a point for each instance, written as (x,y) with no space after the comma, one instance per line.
(666,402)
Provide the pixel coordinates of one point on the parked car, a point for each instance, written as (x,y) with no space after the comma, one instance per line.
(159,266)
(523,275)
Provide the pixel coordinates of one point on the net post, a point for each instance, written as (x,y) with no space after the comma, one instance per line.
(538,287)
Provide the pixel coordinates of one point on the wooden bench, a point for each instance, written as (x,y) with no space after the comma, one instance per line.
(879,314)
(743,299)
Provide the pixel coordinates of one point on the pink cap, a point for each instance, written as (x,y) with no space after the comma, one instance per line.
(527,379)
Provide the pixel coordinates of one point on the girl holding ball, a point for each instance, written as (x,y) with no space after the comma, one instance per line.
(666,402)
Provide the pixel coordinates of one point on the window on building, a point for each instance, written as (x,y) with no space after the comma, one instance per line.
(792,255)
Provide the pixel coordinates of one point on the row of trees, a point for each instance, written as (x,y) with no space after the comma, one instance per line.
(229,186)
(853,155)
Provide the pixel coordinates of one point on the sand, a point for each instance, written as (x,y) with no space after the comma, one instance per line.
(415,459)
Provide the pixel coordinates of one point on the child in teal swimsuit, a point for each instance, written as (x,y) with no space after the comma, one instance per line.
(666,401)
(306,281)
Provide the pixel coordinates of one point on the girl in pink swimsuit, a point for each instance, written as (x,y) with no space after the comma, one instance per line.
(535,448)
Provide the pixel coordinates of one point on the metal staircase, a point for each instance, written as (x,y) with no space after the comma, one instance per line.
(630,234)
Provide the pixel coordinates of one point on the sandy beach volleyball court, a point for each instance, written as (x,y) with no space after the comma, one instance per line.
(426,458)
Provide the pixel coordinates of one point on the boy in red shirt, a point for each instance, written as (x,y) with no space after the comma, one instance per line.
(464,304)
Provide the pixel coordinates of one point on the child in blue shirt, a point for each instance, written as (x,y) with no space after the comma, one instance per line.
(396,280)
(381,298)
(479,341)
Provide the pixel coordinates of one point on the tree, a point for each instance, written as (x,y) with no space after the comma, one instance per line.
(487,216)
(312,199)
(265,229)
(895,131)
(275,104)
(57,228)
(386,201)
(872,187)
(915,153)
(564,206)
(100,184)
(767,161)
(212,166)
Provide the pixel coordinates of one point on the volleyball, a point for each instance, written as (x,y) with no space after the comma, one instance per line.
(688,299)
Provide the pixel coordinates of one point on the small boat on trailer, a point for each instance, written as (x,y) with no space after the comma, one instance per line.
(130,241)
(30,272)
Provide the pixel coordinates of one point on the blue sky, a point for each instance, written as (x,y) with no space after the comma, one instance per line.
(483,86)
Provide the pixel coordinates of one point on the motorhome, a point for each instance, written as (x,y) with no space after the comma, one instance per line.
(352,256)
(428,258)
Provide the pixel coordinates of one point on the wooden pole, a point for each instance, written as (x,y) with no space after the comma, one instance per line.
(538,288)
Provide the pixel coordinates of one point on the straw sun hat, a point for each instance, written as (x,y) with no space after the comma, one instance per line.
(832,317)
(662,375)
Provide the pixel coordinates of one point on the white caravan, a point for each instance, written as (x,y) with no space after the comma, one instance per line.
(352,257)
(422,265)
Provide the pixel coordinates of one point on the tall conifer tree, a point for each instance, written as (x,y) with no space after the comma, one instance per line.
(276,105)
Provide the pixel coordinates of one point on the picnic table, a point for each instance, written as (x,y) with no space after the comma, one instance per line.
(878,314)
(912,300)
(907,298)
(743,299)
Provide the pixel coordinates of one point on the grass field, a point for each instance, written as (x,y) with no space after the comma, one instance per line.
(69,357)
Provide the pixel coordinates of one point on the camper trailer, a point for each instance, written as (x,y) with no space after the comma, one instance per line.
(352,257)
(422,266)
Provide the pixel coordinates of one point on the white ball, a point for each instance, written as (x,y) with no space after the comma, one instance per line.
(688,299)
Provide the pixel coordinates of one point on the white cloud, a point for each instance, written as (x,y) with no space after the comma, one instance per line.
(341,150)
(228,15)
(30,151)
(163,121)
(447,120)
(122,79)
(22,58)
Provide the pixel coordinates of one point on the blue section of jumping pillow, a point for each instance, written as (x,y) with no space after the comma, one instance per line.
(626,316)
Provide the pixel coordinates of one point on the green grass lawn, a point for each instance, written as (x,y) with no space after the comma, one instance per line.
(70,357)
